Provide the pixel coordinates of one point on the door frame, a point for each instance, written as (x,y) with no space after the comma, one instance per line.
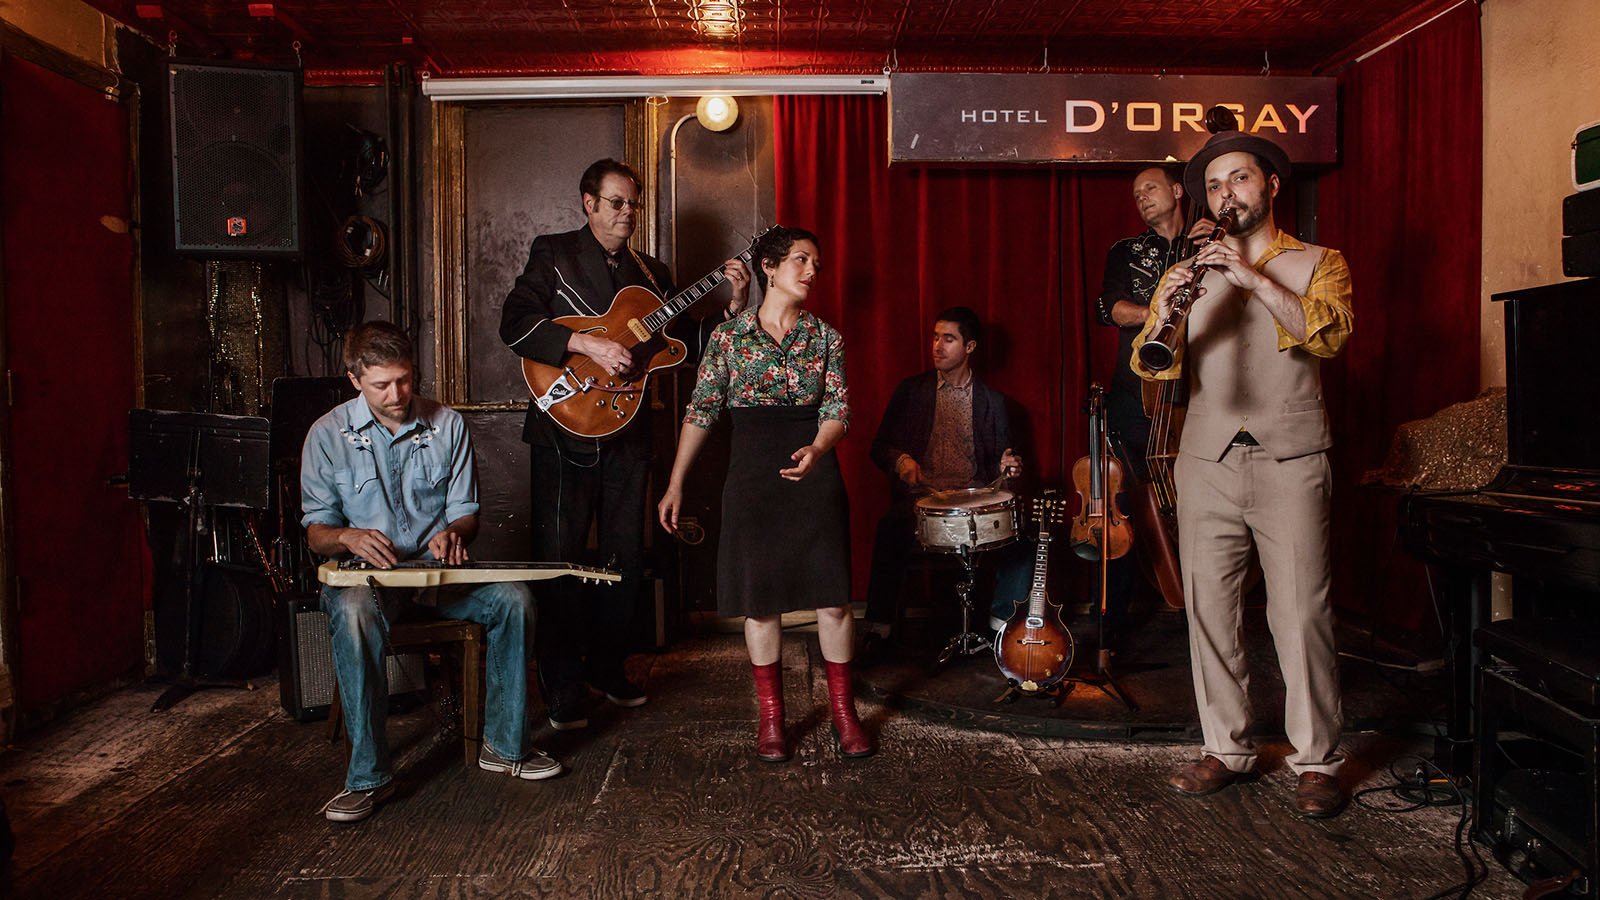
(446,186)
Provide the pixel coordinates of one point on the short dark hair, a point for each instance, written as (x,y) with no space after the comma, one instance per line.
(775,244)
(376,343)
(1173,171)
(599,169)
(1267,168)
(965,320)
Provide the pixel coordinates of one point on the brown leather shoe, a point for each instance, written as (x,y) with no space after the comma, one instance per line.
(1319,796)
(1206,777)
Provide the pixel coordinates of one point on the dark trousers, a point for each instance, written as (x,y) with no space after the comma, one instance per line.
(1130,431)
(585,631)
(896,540)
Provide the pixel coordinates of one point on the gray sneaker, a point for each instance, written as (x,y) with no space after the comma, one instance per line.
(353,806)
(535,766)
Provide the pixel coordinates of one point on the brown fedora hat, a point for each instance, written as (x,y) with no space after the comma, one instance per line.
(1194,175)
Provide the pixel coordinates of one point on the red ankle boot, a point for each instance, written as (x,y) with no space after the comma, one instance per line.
(771,746)
(848,735)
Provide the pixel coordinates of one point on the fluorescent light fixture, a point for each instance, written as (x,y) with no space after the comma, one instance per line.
(650,86)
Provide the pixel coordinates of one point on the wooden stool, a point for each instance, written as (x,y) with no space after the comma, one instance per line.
(414,637)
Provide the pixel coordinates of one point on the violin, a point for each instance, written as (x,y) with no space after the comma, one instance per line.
(1100,529)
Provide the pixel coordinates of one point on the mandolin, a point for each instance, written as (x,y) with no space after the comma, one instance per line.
(1034,650)
(580,394)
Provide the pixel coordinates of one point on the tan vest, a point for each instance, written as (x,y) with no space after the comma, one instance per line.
(1238,378)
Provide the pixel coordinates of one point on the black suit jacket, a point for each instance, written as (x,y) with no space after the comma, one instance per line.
(908,424)
(566,275)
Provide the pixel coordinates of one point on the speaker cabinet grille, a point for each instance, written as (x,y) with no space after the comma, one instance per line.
(306,681)
(235,144)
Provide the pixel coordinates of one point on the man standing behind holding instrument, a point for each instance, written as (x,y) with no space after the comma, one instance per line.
(1133,268)
(389,476)
(942,429)
(578,481)
(1253,465)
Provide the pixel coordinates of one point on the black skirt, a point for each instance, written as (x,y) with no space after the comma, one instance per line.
(785,545)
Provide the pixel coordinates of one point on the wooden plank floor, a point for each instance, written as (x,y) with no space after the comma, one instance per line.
(220,797)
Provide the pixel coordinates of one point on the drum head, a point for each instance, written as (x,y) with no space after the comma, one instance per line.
(966,499)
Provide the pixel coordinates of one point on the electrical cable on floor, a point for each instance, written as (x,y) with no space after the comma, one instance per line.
(1425,666)
(1428,786)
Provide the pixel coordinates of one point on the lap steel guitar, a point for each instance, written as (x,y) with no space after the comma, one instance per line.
(429,573)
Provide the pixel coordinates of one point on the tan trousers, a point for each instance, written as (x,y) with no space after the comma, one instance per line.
(1283,507)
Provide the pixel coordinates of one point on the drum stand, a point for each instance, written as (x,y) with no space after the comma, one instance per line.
(967,642)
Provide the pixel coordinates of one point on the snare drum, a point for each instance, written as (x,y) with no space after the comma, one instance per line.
(974,518)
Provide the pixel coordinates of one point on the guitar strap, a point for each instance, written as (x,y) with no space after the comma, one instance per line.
(646,270)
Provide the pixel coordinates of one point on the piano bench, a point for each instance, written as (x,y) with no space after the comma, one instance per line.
(461,638)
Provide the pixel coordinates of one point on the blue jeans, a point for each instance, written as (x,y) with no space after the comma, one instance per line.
(359,630)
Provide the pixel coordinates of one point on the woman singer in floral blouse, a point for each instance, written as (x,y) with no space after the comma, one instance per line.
(778,373)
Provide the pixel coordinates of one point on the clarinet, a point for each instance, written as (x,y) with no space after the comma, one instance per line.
(1156,353)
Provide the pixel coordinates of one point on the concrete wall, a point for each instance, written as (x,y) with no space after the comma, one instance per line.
(1541,62)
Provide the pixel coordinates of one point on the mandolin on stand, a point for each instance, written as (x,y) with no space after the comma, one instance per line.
(1035,649)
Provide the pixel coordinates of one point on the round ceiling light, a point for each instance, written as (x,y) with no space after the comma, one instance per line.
(717,112)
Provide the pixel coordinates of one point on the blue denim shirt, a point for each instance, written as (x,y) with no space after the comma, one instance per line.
(410,485)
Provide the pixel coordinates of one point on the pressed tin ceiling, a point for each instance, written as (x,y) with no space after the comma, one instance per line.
(550,37)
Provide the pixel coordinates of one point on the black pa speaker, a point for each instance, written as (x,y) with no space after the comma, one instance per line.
(235,144)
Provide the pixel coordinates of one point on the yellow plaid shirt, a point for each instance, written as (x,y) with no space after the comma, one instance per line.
(1326,303)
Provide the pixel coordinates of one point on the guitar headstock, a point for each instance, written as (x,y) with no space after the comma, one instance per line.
(1049,510)
(750,251)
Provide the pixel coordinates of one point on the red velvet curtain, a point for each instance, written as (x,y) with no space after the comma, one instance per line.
(1405,207)
(1026,249)
(1023,247)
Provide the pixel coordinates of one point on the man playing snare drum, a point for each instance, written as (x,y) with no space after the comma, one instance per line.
(943,429)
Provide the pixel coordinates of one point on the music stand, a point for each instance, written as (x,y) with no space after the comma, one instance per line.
(199,461)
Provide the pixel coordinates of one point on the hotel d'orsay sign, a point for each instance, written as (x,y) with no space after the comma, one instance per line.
(1101,118)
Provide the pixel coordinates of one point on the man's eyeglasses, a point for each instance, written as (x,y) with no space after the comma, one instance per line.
(617,203)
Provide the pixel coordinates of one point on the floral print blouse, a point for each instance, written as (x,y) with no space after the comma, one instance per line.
(744,366)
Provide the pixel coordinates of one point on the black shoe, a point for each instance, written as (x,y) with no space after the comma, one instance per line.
(569,709)
(622,692)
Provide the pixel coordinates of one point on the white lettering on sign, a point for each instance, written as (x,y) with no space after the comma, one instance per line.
(1094,109)
(1007,116)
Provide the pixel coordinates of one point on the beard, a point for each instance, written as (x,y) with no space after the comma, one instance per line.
(1250,216)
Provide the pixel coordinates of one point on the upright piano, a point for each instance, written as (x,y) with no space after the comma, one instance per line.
(1539,519)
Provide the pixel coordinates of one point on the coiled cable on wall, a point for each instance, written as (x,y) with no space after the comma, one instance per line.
(361,242)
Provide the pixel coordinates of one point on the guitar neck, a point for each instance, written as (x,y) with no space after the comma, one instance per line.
(680,302)
(1041,566)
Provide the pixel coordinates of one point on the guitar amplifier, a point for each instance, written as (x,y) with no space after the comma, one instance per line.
(306,682)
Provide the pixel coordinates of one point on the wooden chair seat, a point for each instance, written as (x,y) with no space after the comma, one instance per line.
(458,637)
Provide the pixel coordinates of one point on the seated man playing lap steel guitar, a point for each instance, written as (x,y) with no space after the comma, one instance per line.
(389,476)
